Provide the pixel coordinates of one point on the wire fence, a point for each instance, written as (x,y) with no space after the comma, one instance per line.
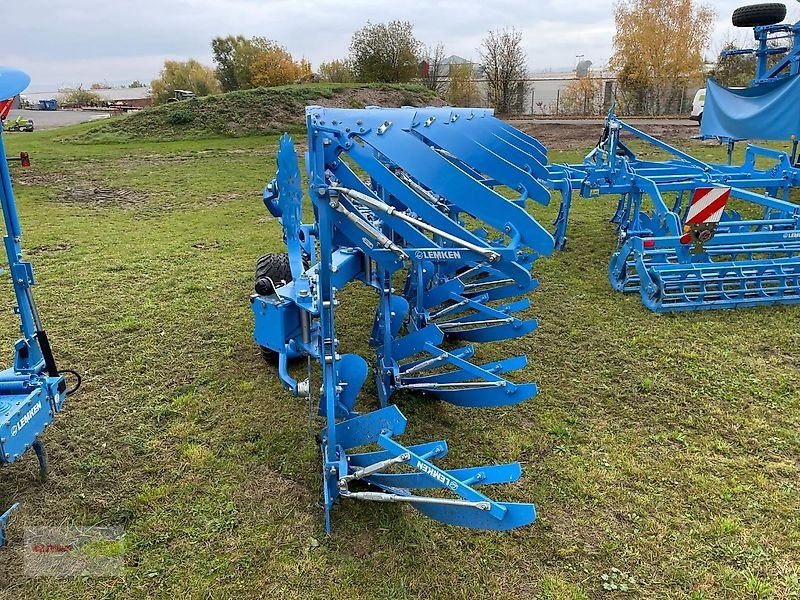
(583,96)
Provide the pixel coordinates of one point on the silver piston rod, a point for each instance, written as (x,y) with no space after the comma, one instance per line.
(384,497)
(368,229)
(388,209)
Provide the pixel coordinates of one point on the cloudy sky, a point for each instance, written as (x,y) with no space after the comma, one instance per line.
(82,41)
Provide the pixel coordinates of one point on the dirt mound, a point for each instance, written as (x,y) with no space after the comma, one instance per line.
(250,112)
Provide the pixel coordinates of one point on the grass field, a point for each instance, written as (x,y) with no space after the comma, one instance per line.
(663,452)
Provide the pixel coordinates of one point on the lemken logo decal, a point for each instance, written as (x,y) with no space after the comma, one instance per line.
(790,236)
(440,477)
(438,255)
(25,419)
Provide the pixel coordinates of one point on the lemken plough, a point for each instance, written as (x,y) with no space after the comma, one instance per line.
(405,194)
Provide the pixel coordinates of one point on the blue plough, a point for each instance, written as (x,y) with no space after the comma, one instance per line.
(428,208)
(405,195)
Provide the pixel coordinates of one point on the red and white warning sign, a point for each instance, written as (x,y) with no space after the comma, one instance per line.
(705,212)
(707,205)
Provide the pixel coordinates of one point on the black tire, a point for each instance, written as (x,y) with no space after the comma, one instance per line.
(271,269)
(759,14)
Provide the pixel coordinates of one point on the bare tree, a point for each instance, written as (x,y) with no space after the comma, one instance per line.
(434,72)
(505,65)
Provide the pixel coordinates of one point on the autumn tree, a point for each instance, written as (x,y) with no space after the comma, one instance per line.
(235,58)
(184,75)
(434,71)
(504,64)
(336,71)
(583,95)
(385,52)
(80,97)
(243,63)
(274,65)
(658,49)
(461,90)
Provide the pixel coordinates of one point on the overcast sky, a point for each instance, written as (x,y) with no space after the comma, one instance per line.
(63,43)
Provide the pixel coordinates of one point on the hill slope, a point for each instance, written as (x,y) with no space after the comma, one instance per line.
(250,112)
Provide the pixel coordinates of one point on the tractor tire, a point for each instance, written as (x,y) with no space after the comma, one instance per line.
(271,269)
(759,14)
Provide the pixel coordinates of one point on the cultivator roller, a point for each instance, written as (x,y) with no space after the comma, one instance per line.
(421,206)
(692,235)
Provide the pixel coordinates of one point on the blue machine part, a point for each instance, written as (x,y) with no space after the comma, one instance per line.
(32,391)
(408,195)
(428,208)
(745,262)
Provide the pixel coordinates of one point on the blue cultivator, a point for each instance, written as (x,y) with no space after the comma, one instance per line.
(32,391)
(692,249)
(405,193)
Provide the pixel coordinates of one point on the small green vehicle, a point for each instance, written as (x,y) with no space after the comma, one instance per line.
(18,124)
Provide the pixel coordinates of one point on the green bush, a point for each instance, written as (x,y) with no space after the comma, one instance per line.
(180,117)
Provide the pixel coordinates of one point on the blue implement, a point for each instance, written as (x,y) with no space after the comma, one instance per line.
(413,196)
(32,390)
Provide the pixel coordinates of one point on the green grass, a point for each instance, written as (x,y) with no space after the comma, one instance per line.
(247,112)
(662,450)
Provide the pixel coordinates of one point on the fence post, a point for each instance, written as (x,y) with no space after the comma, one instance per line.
(558,98)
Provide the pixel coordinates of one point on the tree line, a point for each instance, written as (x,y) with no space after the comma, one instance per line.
(659,46)
(378,53)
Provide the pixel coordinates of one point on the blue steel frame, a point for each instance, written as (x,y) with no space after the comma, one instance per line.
(788,63)
(406,192)
(749,262)
(31,391)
